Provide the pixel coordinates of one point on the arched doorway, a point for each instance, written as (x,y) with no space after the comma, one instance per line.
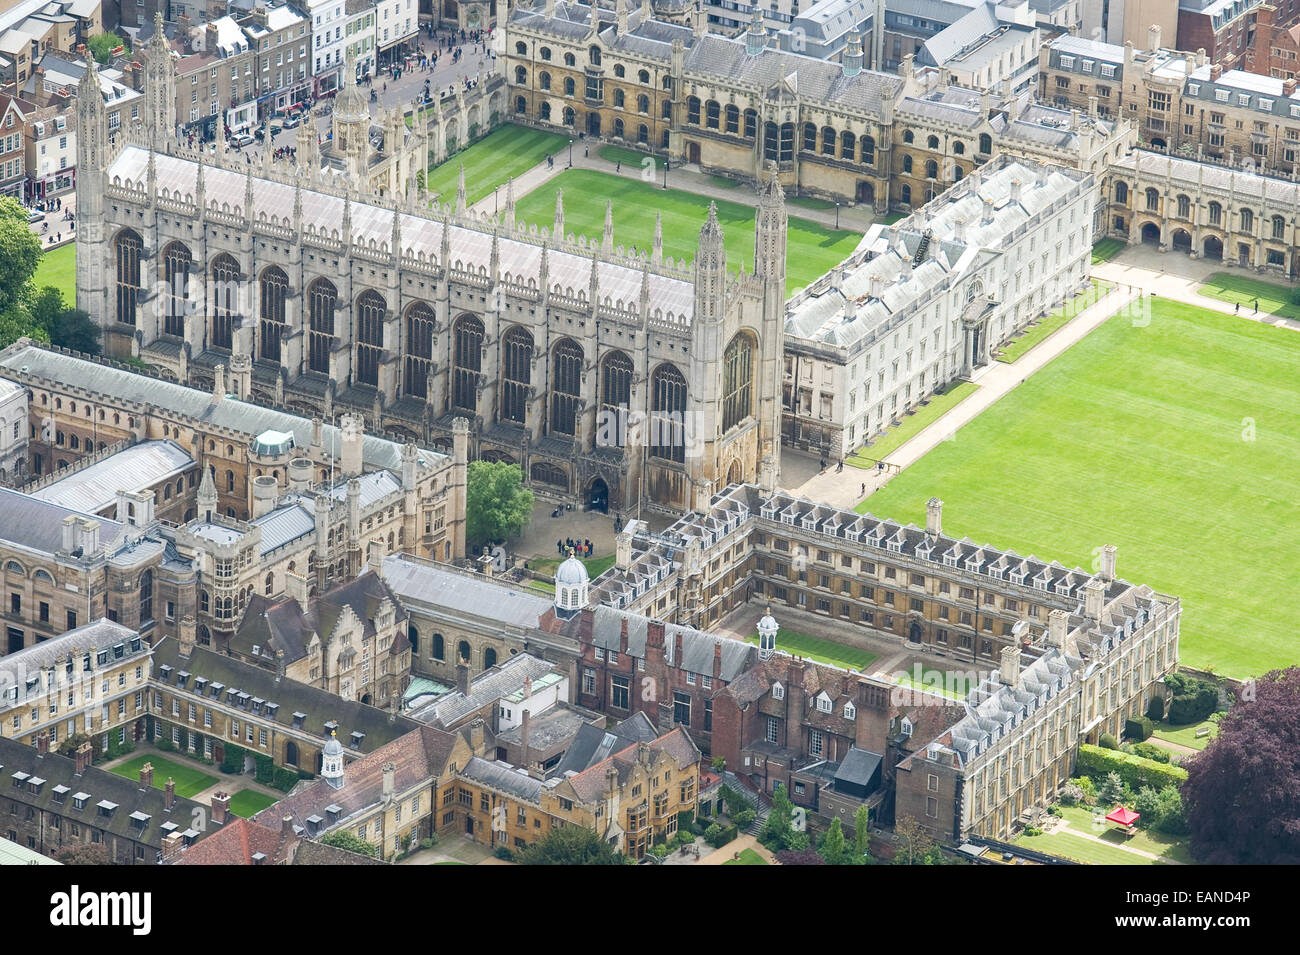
(598,496)
(593,124)
(365,698)
(734,475)
(1158,143)
(489,658)
(291,753)
(866,192)
(1182,240)
(915,631)
(693,152)
(1151,233)
(1213,247)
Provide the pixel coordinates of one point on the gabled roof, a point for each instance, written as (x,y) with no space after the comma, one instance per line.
(238,841)
(487,688)
(93,488)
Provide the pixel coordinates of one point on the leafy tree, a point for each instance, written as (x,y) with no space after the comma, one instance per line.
(915,846)
(799,857)
(350,842)
(89,853)
(1173,817)
(833,848)
(571,845)
(497,505)
(862,835)
(66,327)
(103,46)
(778,831)
(1240,793)
(1111,791)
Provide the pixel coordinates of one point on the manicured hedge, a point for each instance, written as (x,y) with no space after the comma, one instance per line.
(1138,728)
(1096,762)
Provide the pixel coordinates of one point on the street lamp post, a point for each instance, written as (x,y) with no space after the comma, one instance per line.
(570,153)
(666,163)
(837,216)
(496,206)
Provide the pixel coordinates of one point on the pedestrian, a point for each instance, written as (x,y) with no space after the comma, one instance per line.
(618,167)
(1256,306)
(823,464)
(1236,308)
(864,489)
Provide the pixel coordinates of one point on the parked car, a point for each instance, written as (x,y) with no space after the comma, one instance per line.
(292,121)
(242,140)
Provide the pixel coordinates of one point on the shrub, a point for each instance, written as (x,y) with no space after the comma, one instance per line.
(232,760)
(1088,788)
(430,842)
(712,833)
(660,851)
(1033,831)
(1054,810)
(1194,699)
(726,797)
(1136,771)
(1150,751)
(501,852)
(1108,741)
(744,819)
(284,779)
(1156,708)
(166,745)
(718,764)
(685,820)
(1294,297)
(265,769)
(1138,728)
(1071,794)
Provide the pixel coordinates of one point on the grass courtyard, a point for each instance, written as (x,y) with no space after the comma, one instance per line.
(1186,735)
(747,857)
(190,780)
(811,250)
(952,684)
(58,268)
(1106,249)
(1273,299)
(1174,437)
(249,802)
(820,649)
(548,566)
(501,155)
(889,442)
(1050,323)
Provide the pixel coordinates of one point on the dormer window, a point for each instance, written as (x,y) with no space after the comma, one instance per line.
(297,720)
(850,711)
(778,691)
(106,808)
(824,704)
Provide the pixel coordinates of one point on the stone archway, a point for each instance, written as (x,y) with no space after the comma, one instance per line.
(1181,240)
(1213,247)
(1150,233)
(598,495)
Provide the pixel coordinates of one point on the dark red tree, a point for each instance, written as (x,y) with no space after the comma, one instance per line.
(1242,793)
(799,857)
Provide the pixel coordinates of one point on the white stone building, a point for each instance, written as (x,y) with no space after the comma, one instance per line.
(328,21)
(924,302)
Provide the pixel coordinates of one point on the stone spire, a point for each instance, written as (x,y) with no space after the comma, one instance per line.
(345,231)
(657,256)
(494,258)
(770,229)
(207,494)
(297,207)
(620,14)
(544,271)
(710,270)
(607,241)
(460,192)
(557,230)
(510,205)
(395,243)
(645,289)
(444,250)
(248,194)
(159,88)
(92,128)
(593,287)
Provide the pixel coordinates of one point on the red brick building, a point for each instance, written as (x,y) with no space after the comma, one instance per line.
(13,148)
(1224,29)
(1276,50)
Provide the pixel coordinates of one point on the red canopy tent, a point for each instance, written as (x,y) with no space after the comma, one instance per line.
(1123,817)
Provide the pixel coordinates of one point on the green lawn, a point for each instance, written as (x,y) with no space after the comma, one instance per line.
(1173,435)
(949,684)
(595,565)
(808,202)
(1273,299)
(1069,846)
(1157,843)
(890,218)
(1186,735)
(1036,333)
(189,779)
(1106,249)
(58,267)
(725,182)
(631,157)
(542,587)
(822,650)
(747,857)
(502,154)
(811,250)
(249,802)
(889,442)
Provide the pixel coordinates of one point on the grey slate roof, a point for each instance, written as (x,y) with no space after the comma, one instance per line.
(594,744)
(485,689)
(95,487)
(858,766)
(319,706)
(505,778)
(422,582)
(103,634)
(38,525)
(697,646)
(559,724)
(250,419)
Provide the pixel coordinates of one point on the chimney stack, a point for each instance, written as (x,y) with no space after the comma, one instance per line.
(1216,71)
(42,745)
(462,677)
(375,556)
(1010,671)
(934,518)
(389,771)
(169,794)
(220,807)
(1015,190)
(623,550)
(524,721)
(171,848)
(1153,37)
(295,587)
(146,777)
(717,660)
(82,757)
(1108,563)
(1058,622)
(186,635)
(1094,599)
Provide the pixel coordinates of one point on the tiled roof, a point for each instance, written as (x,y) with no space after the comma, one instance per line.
(485,689)
(237,842)
(423,582)
(95,487)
